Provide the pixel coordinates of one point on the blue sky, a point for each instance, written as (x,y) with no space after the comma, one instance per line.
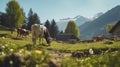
(59,9)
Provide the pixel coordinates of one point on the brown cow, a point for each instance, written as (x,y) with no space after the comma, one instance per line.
(22,32)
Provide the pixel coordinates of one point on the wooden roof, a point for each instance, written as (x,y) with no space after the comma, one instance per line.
(114,27)
(65,37)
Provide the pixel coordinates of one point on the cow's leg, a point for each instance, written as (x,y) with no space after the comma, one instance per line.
(17,34)
(34,40)
(20,34)
(42,40)
(39,40)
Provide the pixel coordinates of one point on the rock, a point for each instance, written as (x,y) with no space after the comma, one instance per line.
(55,62)
(91,51)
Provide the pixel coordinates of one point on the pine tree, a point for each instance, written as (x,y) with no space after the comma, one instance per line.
(14,14)
(4,20)
(54,29)
(36,19)
(48,25)
(72,28)
(32,19)
(30,12)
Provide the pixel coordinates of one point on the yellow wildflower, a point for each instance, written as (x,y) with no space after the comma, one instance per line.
(38,52)
(21,50)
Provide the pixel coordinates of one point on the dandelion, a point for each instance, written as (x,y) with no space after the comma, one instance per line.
(38,52)
(21,50)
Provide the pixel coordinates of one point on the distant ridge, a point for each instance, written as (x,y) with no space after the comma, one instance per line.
(62,23)
(98,26)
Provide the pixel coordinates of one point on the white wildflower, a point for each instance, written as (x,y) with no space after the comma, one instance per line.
(3,53)
(82,60)
(3,47)
(3,37)
(11,62)
(11,50)
(37,65)
(6,45)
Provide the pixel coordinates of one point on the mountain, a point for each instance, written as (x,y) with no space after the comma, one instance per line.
(0,13)
(62,23)
(80,20)
(98,25)
(0,17)
(97,15)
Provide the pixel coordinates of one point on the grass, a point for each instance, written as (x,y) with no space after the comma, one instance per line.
(107,60)
(34,56)
(55,45)
(83,46)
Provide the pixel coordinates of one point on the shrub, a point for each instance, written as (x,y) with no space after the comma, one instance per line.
(108,42)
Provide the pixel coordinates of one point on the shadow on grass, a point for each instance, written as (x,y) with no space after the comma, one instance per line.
(33,47)
(3,35)
(16,38)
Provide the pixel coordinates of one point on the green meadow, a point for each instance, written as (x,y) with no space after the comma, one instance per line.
(18,49)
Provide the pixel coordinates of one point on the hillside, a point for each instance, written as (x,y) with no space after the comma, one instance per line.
(62,23)
(97,15)
(98,26)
